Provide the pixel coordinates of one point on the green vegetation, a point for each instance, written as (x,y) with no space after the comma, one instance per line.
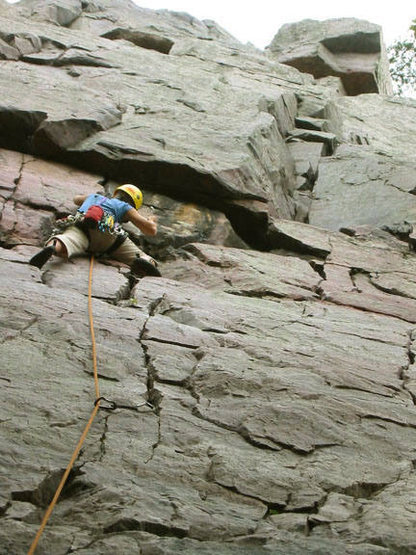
(402,58)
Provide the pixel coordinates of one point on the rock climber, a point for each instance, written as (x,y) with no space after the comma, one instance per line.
(96,228)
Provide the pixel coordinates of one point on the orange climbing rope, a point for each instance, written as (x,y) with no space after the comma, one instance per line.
(91,320)
(87,427)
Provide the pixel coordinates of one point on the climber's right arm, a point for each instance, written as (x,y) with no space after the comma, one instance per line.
(148,225)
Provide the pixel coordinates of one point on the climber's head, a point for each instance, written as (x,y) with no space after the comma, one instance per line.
(129,193)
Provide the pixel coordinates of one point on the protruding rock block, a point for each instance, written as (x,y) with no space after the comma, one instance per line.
(351,49)
(299,237)
(58,12)
(308,135)
(144,40)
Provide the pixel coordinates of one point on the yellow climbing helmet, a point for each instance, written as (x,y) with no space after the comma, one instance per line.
(134,193)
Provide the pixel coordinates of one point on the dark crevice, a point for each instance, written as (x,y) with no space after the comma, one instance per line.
(280,240)
(103,438)
(154,397)
(265,443)
(267,296)
(177,343)
(386,419)
(87,60)
(171,381)
(18,178)
(159,431)
(364,390)
(362,490)
(410,347)
(78,486)
(4,508)
(312,523)
(308,512)
(400,230)
(350,232)
(354,272)
(188,382)
(156,528)
(411,356)
(319,268)
(102,376)
(257,442)
(43,494)
(18,128)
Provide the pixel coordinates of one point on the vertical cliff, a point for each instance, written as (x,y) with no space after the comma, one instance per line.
(265,386)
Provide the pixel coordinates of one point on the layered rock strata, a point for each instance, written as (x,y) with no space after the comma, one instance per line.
(276,354)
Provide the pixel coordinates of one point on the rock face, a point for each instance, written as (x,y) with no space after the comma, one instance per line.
(350,49)
(265,386)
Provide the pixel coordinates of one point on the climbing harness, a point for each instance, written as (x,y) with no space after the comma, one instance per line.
(106,223)
(100,402)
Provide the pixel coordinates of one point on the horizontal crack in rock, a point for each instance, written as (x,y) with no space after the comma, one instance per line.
(157,528)
(234,489)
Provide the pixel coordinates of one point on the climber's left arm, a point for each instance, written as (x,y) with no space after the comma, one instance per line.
(79,199)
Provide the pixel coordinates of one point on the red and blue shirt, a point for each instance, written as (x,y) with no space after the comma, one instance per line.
(117,208)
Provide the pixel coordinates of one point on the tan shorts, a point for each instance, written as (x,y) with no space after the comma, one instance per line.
(77,243)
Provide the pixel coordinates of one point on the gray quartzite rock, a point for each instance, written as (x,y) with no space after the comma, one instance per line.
(262,275)
(388,127)
(351,49)
(358,186)
(370,179)
(265,399)
(160,124)
(372,275)
(58,12)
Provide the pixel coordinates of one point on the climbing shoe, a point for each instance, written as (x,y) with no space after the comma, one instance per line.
(142,267)
(42,257)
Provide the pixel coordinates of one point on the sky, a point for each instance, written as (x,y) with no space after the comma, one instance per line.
(257,22)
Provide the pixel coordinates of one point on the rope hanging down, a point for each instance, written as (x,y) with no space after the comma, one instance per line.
(87,427)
